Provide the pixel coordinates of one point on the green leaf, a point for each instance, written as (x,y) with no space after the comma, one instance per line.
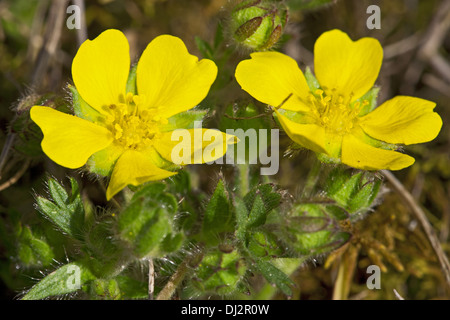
(66,212)
(204,48)
(132,288)
(68,278)
(364,197)
(107,254)
(260,201)
(262,244)
(147,220)
(275,276)
(33,251)
(219,216)
(219,272)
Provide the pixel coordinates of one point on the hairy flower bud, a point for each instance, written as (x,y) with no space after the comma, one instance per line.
(258,24)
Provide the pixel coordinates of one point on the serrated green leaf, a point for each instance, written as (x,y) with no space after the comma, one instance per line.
(275,276)
(219,216)
(257,214)
(57,192)
(66,212)
(146,221)
(260,201)
(262,244)
(219,272)
(66,279)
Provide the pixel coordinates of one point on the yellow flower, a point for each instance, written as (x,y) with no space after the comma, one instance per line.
(125,120)
(334,117)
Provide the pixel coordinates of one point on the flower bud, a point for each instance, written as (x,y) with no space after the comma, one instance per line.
(258,24)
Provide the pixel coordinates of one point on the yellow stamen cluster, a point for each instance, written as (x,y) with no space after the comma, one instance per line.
(133,127)
(334,112)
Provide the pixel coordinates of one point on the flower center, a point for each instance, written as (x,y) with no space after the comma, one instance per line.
(133,126)
(335,113)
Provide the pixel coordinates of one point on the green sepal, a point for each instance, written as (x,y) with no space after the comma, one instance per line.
(131,81)
(183,120)
(81,108)
(311,80)
(371,97)
(258,25)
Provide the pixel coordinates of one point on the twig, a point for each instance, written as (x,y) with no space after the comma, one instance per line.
(420,215)
(401,47)
(82,32)
(51,40)
(398,296)
(246,118)
(170,287)
(16,177)
(151,278)
(5,151)
(437,84)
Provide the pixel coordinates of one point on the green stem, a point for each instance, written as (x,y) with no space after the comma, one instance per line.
(312,178)
(243,178)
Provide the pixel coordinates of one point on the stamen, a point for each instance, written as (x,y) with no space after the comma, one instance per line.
(131,127)
(335,112)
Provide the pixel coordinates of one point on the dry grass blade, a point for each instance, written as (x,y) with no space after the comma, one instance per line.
(420,215)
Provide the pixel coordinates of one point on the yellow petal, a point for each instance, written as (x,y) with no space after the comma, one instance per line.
(68,140)
(100,69)
(359,155)
(171,78)
(310,136)
(133,168)
(271,77)
(193,146)
(405,120)
(346,66)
